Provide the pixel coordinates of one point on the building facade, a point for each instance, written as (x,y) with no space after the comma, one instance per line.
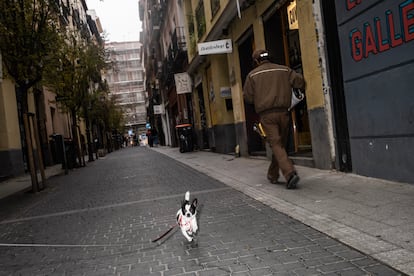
(355,56)
(223,121)
(126,82)
(371,74)
(165,59)
(47,118)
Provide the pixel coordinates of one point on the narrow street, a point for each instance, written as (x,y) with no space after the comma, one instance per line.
(101,219)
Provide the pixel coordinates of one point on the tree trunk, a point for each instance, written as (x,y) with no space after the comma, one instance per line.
(39,152)
(76,138)
(32,168)
(21,92)
(88,135)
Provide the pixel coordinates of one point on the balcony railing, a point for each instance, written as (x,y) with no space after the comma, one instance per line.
(178,39)
(177,53)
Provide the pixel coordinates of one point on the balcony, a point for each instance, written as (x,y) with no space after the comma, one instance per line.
(176,58)
(64,12)
(155,17)
(178,42)
(177,50)
(135,119)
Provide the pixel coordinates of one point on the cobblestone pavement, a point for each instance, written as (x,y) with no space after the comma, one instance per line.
(100,220)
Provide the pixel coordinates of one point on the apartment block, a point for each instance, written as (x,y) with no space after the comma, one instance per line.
(126,82)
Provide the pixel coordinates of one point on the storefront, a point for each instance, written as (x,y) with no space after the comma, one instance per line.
(376,41)
(281,39)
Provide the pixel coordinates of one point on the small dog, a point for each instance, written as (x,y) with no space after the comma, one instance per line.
(187,217)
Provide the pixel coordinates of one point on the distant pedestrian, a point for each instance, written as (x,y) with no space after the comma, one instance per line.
(154,135)
(135,138)
(124,141)
(150,138)
(269,87)
(83,150)
(83,145)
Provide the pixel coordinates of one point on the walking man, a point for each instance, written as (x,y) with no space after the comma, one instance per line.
(268,86)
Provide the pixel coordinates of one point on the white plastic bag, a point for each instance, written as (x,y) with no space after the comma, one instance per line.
(297,97)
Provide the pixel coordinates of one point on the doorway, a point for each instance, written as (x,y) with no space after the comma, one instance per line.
(282,41)
(203,140)
(336,82)
(255,144)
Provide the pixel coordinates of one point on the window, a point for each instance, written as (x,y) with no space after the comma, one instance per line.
(201,19)
(123,76)
(215,6)
(192,35)
(52,115)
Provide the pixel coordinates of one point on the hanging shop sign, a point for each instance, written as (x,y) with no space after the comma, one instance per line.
(215,47)
(159,109)
(292,16)
(182,83)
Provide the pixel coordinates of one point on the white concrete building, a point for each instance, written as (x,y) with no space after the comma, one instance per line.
(126,81)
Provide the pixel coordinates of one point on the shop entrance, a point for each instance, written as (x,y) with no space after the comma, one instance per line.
(255,143)
(203,139)
(282,41)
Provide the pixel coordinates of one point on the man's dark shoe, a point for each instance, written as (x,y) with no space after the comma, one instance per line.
(293,181)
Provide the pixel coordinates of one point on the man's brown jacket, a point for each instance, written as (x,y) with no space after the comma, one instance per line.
(269,86)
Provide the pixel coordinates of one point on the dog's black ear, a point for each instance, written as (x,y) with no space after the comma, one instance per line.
(183,203)
(194,203)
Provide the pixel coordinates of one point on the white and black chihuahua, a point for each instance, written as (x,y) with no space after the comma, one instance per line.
(187,217)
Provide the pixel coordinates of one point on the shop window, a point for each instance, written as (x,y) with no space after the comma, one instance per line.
(229,104)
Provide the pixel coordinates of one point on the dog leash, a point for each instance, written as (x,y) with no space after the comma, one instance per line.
(163,235)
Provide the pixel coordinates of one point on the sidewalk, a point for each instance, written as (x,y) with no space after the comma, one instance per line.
(371,215)
(24,182)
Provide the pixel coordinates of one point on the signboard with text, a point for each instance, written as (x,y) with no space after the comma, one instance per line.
(215,47)
(376,47)
(159,109)
(182,83)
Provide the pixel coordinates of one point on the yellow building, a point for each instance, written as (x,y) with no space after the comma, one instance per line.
(356,58)
(287,30)
(11,157)
(45,116)
(45,119)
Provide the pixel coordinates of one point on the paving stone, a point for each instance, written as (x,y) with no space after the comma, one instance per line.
(381,270)
(174,271)
(260,272)
(336,267)
(214,272)
(101,219)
